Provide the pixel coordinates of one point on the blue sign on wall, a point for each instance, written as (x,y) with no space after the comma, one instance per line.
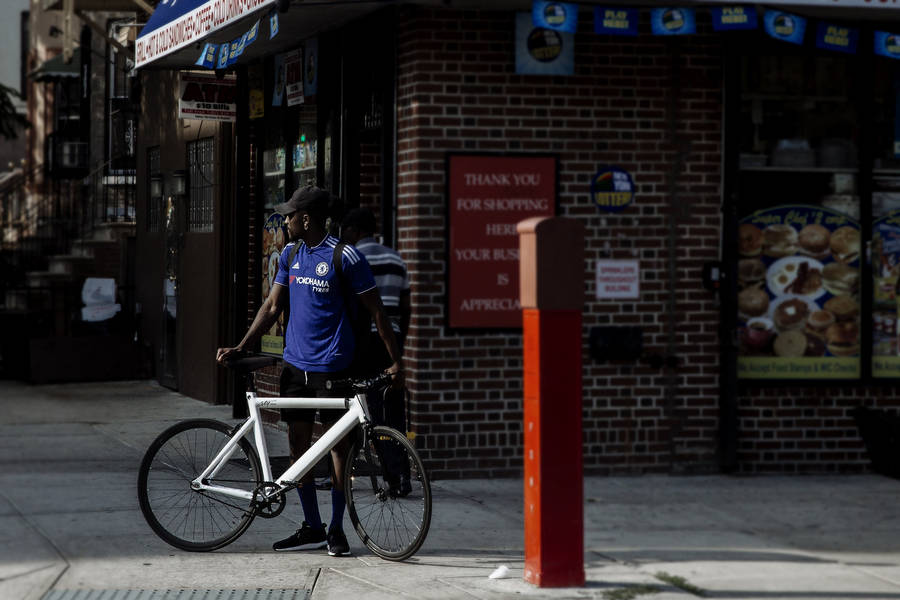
(616,21)
(836,37)
(785,27)
(208,57)
(612,189)
(541,51)
(887,44)
(558,16)
(673,21)
(728,18)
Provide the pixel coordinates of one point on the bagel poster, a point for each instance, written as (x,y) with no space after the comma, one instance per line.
(798,298)
(885,275)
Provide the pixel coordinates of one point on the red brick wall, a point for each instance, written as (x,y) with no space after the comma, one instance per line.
(458,90)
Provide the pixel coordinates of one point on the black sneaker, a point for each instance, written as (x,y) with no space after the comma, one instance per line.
(337,543)
(305,538)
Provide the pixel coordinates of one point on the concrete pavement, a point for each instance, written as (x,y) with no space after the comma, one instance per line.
(69,520)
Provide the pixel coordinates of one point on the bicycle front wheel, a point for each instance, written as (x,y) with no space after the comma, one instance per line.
(189,519)
(388,494)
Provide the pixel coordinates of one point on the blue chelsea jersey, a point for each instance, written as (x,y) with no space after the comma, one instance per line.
(319,335)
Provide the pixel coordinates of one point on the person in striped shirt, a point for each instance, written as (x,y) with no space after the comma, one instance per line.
(389,270)
(392,280)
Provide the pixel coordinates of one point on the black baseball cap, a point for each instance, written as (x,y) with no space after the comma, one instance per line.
(310,199)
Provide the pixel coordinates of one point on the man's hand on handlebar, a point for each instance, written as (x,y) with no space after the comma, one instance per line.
(398,376)
(223,354)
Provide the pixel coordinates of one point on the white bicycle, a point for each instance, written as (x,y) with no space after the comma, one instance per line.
(201,482)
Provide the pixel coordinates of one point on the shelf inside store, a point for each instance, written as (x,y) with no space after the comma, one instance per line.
(273,174)
(304,169)
(770,169)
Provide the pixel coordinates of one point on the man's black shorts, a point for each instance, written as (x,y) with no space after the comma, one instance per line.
(296,383)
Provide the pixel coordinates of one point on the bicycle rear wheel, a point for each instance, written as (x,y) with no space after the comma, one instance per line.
(185,518)
(388,494)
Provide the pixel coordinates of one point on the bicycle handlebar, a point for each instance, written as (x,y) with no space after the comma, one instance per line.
(246,362)
(360,385)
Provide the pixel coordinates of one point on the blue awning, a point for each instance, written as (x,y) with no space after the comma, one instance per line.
(176,24)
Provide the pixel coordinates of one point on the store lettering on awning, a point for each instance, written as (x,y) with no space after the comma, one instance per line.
(179,23)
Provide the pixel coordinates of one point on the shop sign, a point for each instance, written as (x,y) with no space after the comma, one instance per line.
(612,189)
(558,16)
(836,37)
(273,241)
(175,25)
(311,70)
(542,51)
(278,90)
(799,289)
(222,60)
(887,44)
(673,21)
(206,97)
(729,18)
(487,196)
(618,279)
(616,21)
(293,77)
(273,24)
(785,27)
(208,56)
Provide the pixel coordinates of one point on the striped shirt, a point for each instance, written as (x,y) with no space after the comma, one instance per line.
(390,275)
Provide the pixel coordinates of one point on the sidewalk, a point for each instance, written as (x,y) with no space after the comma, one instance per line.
(69,520)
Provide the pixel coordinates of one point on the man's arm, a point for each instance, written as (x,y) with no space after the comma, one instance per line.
(372,301)
(265,318)
(405,312)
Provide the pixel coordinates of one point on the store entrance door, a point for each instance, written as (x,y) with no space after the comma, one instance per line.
(369,106)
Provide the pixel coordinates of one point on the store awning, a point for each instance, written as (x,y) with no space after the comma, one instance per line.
(57,68)
(174,36)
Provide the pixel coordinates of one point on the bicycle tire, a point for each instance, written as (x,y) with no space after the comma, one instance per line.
(393,525)
(185,518)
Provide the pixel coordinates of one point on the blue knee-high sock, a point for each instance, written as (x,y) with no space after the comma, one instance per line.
(310,505)
(338,501)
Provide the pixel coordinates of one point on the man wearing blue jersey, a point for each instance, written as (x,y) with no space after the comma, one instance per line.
(319,345)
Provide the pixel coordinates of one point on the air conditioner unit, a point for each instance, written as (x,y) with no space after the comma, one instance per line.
(72,154)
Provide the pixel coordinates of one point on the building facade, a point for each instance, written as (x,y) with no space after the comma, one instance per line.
(720,133)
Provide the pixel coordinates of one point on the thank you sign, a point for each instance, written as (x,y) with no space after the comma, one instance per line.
(487,197)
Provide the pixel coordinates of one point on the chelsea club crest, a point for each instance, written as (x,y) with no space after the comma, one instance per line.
(322,269)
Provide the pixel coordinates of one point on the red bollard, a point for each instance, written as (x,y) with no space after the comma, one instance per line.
(551,276)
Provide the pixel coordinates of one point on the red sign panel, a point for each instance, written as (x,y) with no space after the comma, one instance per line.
(487,197)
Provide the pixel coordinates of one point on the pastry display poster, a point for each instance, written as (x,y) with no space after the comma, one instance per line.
(273,240)
(885,272)
(798,298)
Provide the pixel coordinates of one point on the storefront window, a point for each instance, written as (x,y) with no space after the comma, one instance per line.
(289,161)
(800,240)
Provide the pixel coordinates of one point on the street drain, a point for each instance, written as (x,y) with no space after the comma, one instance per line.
(177,595)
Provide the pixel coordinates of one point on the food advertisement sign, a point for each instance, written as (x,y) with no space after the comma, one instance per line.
(798,299)
(487,196)
(886,276)
(273,240)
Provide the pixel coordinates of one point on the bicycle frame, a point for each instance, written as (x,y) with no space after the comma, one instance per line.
(357,413)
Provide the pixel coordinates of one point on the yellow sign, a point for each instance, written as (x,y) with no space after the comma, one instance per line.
(807,367)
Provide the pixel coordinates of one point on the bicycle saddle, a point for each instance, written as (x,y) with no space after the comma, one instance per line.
(245,363)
